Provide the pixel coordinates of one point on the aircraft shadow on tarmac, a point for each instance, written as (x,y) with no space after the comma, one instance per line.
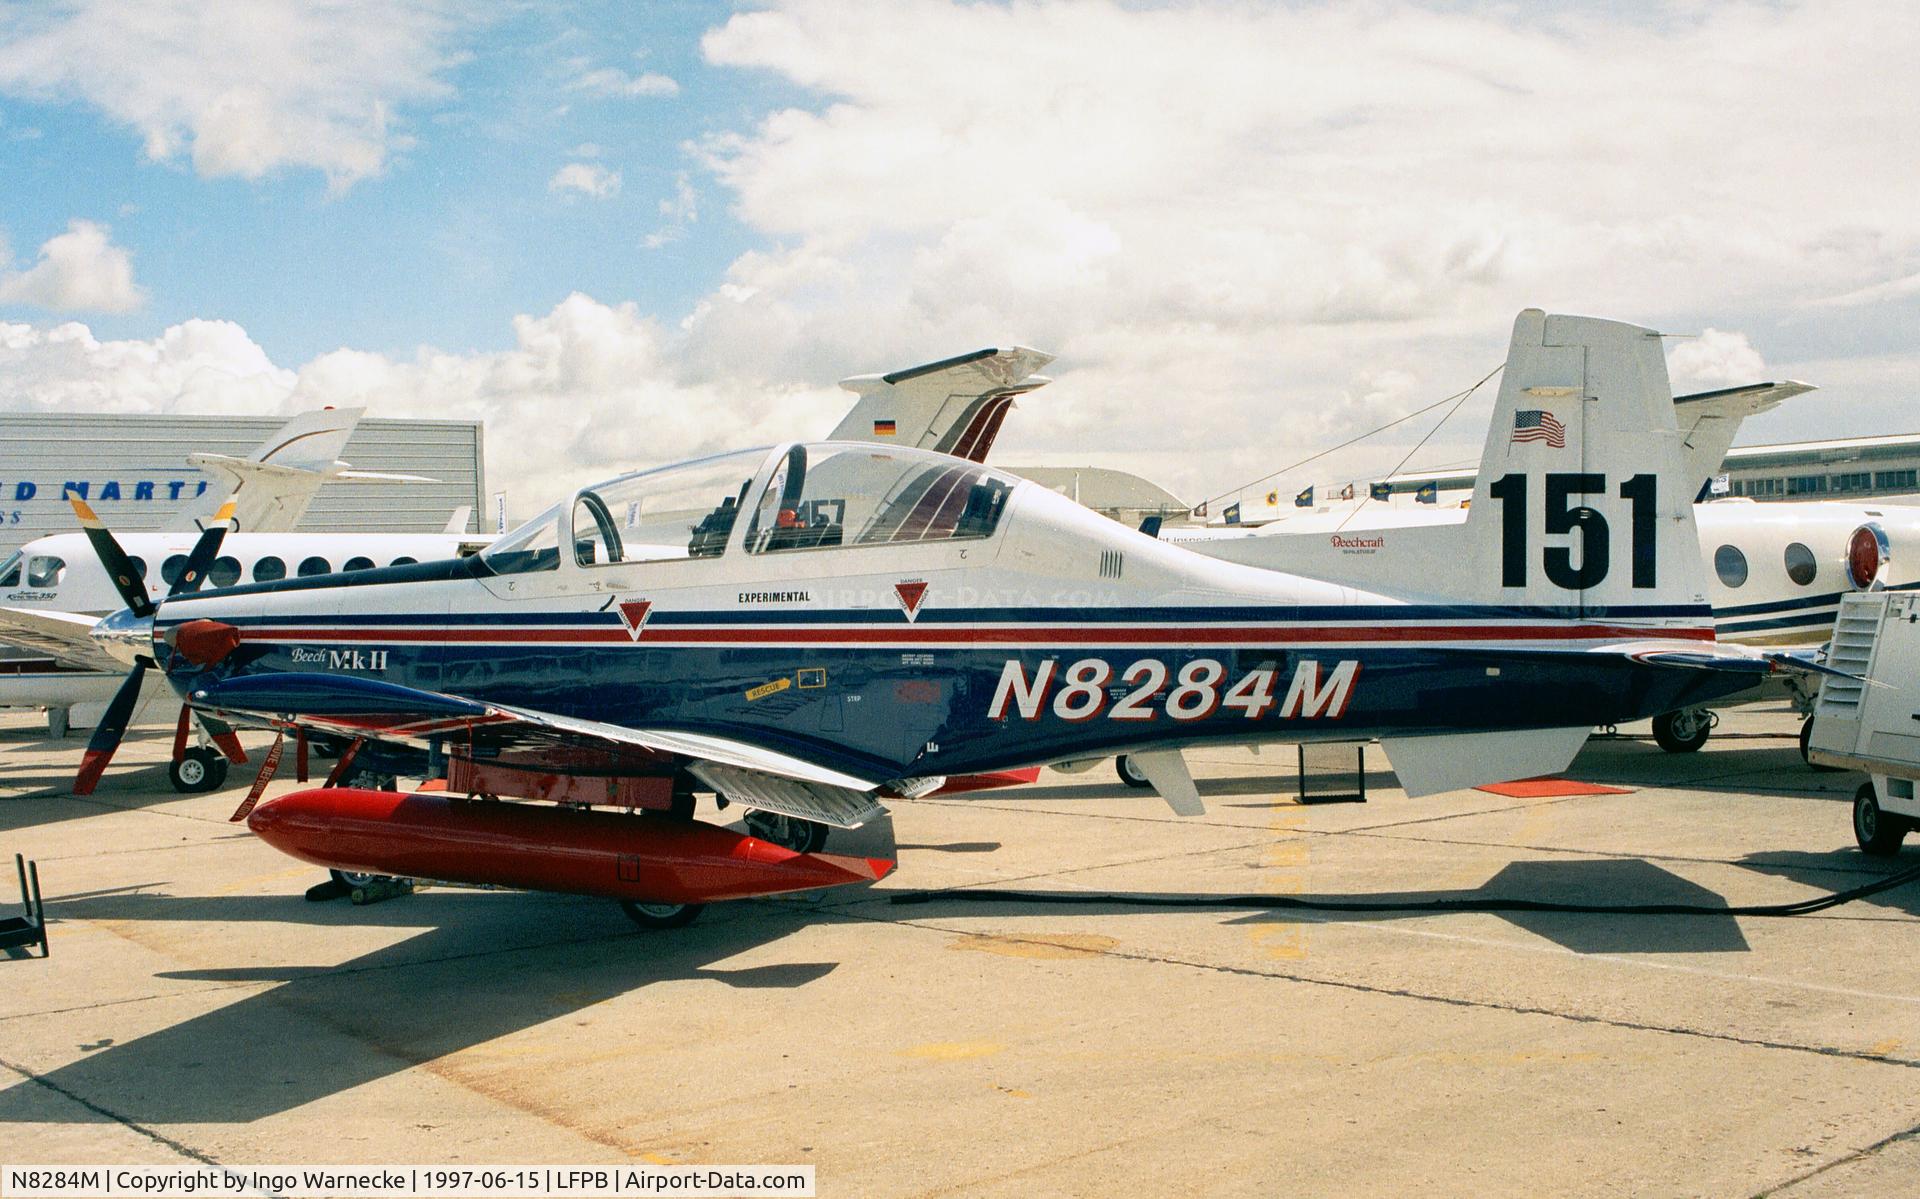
(491,965)
(1598,881)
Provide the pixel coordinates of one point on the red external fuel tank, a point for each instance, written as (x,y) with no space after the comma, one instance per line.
(648,859)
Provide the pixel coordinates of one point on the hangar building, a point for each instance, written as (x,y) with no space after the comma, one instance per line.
(1124,497)
(134,471)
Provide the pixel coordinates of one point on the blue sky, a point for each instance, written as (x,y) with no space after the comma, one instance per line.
(457,235)
(1249,231)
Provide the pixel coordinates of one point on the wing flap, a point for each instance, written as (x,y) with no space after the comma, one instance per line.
(841,807)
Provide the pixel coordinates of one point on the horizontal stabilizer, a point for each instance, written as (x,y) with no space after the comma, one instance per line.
(1430,765)
(272,487)
(954,406)
(841,807)
(1709,420)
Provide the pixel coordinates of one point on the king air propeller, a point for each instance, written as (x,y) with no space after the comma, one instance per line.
(128,635)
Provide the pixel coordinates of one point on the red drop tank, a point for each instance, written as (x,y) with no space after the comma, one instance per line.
(648,859)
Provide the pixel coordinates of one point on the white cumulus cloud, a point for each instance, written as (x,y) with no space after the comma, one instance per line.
(1236,209)
(587,390)
(80,270)
(1716,358)
(240,89)
(587,179)
(611,81)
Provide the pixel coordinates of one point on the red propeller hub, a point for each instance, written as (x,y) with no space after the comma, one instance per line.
(205,642)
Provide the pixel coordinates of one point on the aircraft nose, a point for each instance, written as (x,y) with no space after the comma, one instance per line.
(125,636)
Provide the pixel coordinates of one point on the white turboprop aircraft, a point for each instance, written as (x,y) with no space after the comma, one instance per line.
(53,589)
(1777,571)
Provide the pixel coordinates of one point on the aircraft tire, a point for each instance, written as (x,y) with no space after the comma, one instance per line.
(1682,732)
(199,769)
(1878,833)
(352,879)
(655,916)
(372,780)
(791,832)
(1129,774)
(1806,737)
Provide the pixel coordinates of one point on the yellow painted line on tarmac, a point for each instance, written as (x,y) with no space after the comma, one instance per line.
(249,883)
(952,1051)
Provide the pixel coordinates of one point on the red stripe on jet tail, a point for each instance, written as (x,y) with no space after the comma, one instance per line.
(92,766)
(776,635)
(973,445)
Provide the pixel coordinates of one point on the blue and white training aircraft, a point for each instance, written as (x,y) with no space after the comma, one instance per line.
(809,629)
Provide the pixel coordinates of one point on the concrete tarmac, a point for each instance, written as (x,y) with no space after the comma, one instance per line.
(196,1008)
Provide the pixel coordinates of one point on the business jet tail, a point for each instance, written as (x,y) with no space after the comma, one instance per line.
(954,406)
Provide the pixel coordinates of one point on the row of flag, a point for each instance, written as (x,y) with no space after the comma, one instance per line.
(1426,493)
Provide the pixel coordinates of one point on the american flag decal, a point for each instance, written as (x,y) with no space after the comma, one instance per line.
(1537,424)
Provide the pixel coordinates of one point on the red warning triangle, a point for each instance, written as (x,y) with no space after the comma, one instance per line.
(634,613)
(910,596)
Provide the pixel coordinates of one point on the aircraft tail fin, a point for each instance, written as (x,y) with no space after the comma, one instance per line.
(954,406)
(1710,420)
(1583,505)
(272,487)
(1584,500)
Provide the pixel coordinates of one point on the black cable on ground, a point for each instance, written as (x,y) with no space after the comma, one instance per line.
(1800,907)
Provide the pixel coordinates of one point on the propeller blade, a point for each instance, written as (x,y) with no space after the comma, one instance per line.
(133,592)
(204,552)
(106,736)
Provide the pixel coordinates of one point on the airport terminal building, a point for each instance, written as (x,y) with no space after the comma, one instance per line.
(1845,468)
(133,470)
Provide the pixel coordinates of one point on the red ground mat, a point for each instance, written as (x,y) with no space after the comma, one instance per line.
(1551,788)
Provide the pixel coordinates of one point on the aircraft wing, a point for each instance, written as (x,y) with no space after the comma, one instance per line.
(1709,420)
(348,706)
(954,406)
(62,635)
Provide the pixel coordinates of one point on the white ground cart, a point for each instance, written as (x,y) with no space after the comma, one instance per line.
(1875,725)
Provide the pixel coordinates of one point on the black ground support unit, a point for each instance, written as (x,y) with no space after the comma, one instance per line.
(20,932)
(1323,776)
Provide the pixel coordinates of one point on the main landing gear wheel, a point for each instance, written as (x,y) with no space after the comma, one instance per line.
(1684,731)
(354,879)
(661,915)
(1806,736)
(792,832)
(372,780)
(1878,832)
(1129,773)
(199,769)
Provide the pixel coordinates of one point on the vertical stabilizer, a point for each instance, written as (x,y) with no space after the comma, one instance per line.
(1583,504)
(1585,494)
(954,406)
(271,488)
